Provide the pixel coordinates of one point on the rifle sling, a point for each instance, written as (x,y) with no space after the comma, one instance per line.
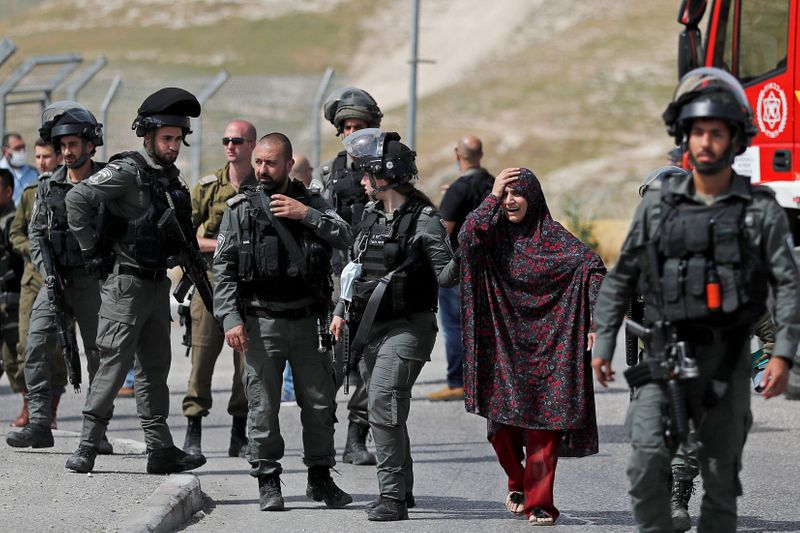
(371,309)
(295,253)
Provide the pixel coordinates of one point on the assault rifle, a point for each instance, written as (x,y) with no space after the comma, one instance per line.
(669,363)
(185,320)
(346,350)
(189,259)
(65,326)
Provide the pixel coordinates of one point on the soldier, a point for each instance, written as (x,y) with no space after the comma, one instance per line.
(208,204)
(350,109)
(402,240)
(136,189)
(10,272)
(46,156)
(702,247)
(76,133)
(272,267)
(47,159)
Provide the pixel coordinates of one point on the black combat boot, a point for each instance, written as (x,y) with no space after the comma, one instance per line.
(238,447)
(269,493)
(31,436)
(410,502)
(679,502)
(194,434)
(171,460)
(322,488)
(82,460)
(105,448)
(388,510)
(355,449)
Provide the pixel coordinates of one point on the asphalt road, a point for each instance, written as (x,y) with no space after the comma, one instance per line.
(459,485)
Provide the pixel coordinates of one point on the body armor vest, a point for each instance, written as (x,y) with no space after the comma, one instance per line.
(66,250)
(349,197)
(266,269)
(709,271)
(413,289)
(141,237)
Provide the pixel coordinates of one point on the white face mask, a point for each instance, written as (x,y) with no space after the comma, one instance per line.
(17,158)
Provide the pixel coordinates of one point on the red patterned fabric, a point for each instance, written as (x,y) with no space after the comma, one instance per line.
(528,290)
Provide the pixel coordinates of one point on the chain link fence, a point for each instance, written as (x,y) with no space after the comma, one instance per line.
(271,103)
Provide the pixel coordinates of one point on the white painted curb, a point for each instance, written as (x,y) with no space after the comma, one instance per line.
(171,506)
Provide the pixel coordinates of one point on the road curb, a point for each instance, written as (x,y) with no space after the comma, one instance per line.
(173,504)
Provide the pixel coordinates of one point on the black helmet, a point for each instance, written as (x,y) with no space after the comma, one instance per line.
(709,92)
(351,102)
(382,155)
(66,117)
(170,106)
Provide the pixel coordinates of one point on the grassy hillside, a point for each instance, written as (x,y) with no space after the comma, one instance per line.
(577,97)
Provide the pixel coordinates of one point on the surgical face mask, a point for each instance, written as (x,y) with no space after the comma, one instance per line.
(17,158)
(350,273)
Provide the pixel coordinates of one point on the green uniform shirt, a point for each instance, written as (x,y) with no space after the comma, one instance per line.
(766,227)
(321,219)
(209,199)
(116,186)
(19,227)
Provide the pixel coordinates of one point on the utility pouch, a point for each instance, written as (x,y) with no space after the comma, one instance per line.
(696,305)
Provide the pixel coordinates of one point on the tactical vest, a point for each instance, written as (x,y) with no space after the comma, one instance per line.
(349,197)
(709,271)
(266,270)
(66,250)
(387,246)
(141,237)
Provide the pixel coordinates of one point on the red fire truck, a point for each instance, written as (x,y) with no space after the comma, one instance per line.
(757,41)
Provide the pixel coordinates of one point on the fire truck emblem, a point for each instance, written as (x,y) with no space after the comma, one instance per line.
(771,110)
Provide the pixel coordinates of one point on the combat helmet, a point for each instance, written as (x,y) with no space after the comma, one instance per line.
(710,92)
(67,117)
(351,102)
(170,106)
(382,156)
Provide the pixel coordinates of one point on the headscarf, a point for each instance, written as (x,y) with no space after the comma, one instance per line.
(527,295)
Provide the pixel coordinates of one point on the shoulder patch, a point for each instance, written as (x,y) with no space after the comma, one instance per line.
(42,176)
(429,210)
(102,176)
(235,199)
(207,180)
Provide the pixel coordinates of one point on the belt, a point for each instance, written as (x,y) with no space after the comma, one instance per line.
(284,313)
(142,273)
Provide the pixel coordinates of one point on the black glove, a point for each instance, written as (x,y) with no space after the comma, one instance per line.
(95,263)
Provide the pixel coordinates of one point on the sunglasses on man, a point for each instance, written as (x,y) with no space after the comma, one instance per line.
(235,140)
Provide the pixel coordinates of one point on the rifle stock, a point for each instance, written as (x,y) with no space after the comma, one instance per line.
(64,323)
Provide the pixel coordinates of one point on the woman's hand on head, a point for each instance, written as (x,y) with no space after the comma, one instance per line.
(505,177)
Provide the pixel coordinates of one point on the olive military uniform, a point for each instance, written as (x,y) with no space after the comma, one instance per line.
(30,284)
(10,270)
(134,312)
(402,336)
(721,350)
(260,287)
(208,205)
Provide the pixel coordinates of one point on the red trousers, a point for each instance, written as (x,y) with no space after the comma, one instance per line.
(536,476)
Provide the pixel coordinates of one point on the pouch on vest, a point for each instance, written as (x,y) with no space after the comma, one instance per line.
(696,305)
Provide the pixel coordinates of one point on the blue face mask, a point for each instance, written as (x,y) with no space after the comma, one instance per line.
(350,273)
